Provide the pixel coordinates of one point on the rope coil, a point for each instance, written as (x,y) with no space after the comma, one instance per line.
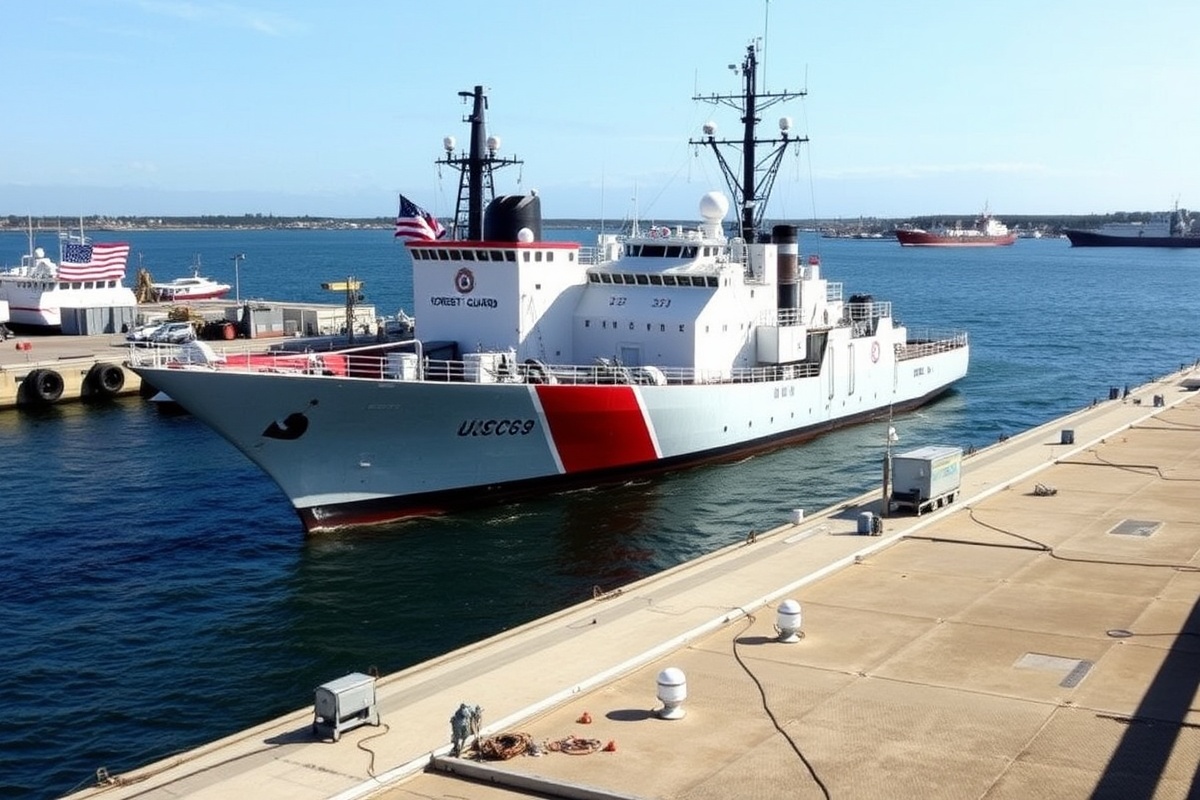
(503,746)
(575,746)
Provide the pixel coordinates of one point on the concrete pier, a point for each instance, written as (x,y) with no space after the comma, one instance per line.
(43,370)
(1039,635)
(38,370)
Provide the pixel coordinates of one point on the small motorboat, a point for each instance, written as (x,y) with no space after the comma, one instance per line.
(195,287)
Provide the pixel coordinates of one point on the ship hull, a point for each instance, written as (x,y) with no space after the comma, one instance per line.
(1095,239)
(927,239)
(181,297)
(353,451)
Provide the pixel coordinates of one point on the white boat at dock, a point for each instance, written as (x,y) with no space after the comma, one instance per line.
(82,292)
(191,287)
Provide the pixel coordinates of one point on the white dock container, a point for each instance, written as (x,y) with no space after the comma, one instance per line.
(926,478)
(343,704)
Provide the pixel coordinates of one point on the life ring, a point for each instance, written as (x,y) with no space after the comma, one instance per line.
(874,351)
(106,379)
(43,386)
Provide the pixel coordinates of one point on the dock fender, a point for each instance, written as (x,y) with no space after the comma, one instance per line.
(43,386)
(106,378)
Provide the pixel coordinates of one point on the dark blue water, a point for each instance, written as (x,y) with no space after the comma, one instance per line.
(159,592)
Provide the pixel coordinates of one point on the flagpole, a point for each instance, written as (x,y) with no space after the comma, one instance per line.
(237,282)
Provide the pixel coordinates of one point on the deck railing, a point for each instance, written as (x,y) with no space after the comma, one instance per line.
(930,343)
(398,362)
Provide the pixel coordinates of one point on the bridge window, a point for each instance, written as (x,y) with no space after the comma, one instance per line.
(656,280)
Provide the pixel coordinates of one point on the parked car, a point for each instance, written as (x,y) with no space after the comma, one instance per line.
(173,333)
(141,335)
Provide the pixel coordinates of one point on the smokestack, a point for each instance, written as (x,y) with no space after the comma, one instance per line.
(784,236)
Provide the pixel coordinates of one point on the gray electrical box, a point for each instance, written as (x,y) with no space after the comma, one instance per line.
(926,478)
(344,704)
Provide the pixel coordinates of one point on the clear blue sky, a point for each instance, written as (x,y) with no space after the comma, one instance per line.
(287,107)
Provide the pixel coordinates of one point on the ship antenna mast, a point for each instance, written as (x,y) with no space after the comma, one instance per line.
(475,167)
(753,189)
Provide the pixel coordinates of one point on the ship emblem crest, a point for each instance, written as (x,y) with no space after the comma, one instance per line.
(464,281)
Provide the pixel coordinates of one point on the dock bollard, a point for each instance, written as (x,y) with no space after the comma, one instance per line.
(672,691)
(787,621)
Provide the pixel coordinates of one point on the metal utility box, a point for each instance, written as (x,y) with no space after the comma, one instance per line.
(344,704)
(926,478)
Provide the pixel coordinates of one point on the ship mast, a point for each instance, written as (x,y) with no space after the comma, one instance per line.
(753,190)
(475,167)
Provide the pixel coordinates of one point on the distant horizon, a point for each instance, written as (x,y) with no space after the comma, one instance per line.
(387,220)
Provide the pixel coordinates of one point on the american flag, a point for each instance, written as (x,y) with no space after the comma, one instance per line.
(93,262)
(415,224)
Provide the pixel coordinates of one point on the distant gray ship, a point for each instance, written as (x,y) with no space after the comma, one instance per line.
(1171,230)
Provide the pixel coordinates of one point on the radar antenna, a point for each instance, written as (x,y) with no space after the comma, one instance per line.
(753,190)
(475,167)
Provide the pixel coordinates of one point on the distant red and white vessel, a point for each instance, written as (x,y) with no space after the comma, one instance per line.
(986,232)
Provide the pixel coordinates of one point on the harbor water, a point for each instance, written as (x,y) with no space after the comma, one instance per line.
(160,593)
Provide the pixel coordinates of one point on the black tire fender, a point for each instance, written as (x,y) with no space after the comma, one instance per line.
(44,386)
(106,379)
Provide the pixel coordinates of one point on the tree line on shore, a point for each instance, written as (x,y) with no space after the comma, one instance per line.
(1051,223)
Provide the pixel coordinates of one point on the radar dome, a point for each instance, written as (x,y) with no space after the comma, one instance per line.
(448,143)
(525,235)
(713,207)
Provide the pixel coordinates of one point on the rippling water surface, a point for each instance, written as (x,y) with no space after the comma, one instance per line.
(159,592)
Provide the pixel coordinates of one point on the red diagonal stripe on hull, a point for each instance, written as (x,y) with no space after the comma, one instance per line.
(596,427)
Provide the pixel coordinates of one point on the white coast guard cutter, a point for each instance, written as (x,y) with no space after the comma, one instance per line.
(544,365)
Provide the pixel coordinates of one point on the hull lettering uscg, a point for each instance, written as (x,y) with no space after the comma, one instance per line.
(495,427)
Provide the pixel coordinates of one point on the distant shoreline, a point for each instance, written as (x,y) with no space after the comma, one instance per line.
(840,227)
